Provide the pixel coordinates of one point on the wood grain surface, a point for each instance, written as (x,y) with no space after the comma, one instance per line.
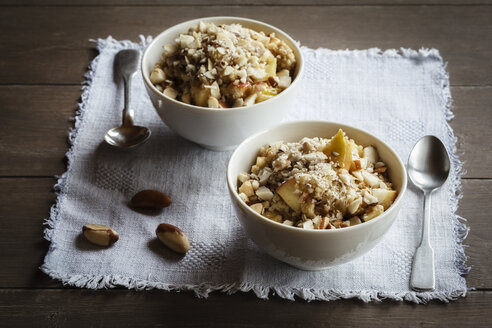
(59,51)
(45,53)
(87,308)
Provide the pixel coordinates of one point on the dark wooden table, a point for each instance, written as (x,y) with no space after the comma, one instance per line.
(44,54)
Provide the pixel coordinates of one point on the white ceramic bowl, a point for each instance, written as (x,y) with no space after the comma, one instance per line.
(313,249)
(218,129)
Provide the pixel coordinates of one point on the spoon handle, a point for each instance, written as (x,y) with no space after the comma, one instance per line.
(128,65)
(127,111)
(423,272)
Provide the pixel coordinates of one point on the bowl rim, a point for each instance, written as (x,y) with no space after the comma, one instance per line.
(295,81)
(391,209)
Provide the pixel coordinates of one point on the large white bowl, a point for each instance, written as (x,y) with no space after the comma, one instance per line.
(218,129)
(313,249)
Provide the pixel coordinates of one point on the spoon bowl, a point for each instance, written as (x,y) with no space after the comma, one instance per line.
(127,136)
(428,164)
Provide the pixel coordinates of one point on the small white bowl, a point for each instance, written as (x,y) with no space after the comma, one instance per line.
(218,129)
(313,249)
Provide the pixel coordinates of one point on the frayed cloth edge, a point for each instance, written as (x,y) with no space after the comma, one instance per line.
(263,292)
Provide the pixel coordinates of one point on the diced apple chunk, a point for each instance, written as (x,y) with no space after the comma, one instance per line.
(371,154)
(261,161)
(200,95)
(385,196)
(255,184)
(370,179)
(247,188)
(243,197)
(258,207)
(339,149)
(157,76)
(243,176)
(287,191)
(264,193)
(355,220)
(284,81)
(170,92)
(266,93)
(274,216)
(271,66)
(375,211)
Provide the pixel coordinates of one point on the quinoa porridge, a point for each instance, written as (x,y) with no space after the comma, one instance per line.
(219,66)
(317,183)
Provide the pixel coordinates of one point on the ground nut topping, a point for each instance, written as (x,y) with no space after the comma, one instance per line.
(220,66)
(318,183)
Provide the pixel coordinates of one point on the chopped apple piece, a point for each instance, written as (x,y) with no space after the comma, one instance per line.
(200,96)
(355,220)
(261,161)
(271,66)
(255,169)
(385,197)
(274,216)
(258,207)
(266,92)
(247,188)
(339,149)
(371,154)
(375,211)
(243,197)
(264,193)
(370,178)
(287,191)
(284,81)
(243,176)
(157,76)
(255,184)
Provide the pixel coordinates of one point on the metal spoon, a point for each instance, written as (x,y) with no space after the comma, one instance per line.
(428,168)
(127,135)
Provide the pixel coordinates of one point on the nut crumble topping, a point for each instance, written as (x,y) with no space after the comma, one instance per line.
(219,66)
(317,183)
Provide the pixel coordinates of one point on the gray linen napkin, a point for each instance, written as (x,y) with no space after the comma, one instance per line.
(397,95)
